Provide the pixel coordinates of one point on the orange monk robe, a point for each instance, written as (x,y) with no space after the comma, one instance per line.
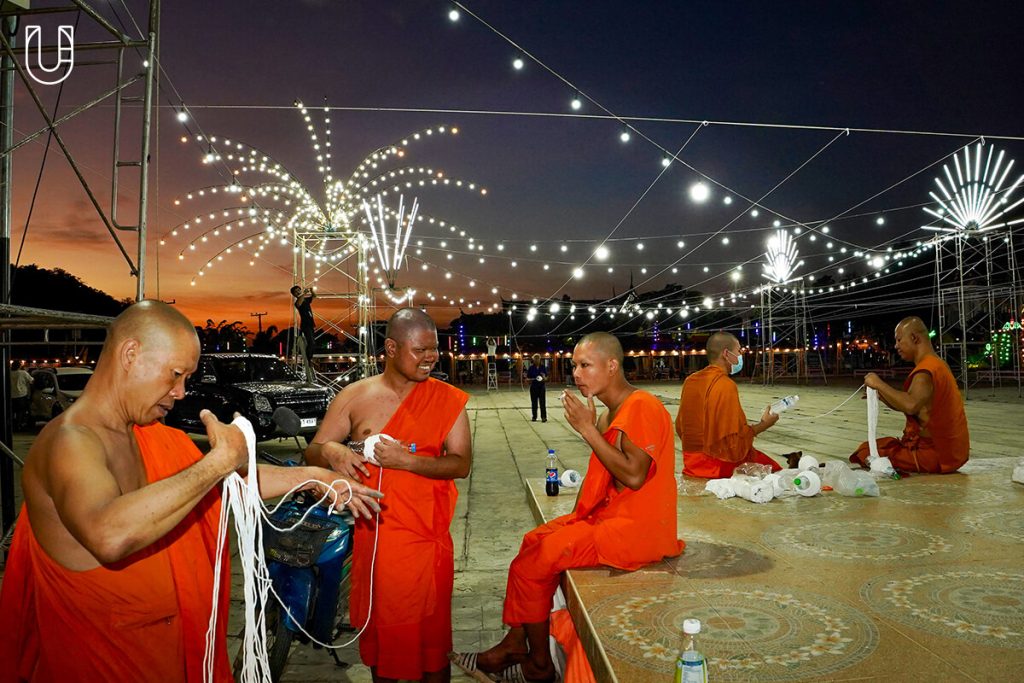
(940,446)
(410,629)
(623,529)
(141,619)
(715,433)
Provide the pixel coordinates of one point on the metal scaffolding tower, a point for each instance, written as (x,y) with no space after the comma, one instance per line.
(131,63)
(978,290)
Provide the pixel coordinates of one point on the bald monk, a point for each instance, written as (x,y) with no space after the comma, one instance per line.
(935,438)
(110,576)
(711,423)
(625,514)
(409,633)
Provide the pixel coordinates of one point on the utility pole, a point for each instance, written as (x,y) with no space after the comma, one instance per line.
(259,319)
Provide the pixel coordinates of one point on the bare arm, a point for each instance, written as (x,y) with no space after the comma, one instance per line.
(455,463)
(326,449)
(910,402)
(112,525)
(627,462)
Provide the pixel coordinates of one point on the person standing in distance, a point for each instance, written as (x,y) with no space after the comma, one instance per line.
(538,376)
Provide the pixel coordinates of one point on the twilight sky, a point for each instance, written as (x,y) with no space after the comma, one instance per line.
(564,178)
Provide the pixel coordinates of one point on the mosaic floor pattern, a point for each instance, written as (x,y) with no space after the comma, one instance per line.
(984,606)
(861,541)
(768,634)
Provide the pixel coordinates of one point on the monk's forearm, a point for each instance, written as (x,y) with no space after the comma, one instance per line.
(138,519)
(314,455)
(626,470)
(447,466)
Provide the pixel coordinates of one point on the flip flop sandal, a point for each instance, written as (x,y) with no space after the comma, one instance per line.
(467,662)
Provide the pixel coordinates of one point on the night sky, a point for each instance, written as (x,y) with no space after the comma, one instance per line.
(551,180)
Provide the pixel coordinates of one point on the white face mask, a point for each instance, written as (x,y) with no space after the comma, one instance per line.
(738,365)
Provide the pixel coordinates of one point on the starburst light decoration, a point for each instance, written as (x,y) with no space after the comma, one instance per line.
(975,200)
(391,253)
(781,258)
(271,207)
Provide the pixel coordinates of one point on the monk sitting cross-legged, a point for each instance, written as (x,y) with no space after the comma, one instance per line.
(711,422)
(111,572)
(409,633)
(625,514)
(935,438)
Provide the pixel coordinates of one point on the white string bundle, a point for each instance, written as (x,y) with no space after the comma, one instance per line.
(872,422)
(242,500)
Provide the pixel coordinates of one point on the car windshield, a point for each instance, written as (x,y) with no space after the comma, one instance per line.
(73,381)
(253,369)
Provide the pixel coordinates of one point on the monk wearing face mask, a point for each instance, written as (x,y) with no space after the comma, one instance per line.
(711,422)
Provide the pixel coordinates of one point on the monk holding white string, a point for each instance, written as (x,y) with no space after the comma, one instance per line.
(935,438)
(111,572)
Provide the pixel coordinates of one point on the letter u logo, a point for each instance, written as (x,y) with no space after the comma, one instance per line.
(65,53)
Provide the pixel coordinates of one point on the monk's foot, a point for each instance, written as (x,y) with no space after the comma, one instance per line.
(500,657)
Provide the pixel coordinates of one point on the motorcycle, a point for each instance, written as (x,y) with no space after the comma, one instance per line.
(309,569)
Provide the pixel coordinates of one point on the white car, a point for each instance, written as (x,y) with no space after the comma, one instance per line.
(54,389)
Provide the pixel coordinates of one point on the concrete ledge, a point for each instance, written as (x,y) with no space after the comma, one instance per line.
(544,509)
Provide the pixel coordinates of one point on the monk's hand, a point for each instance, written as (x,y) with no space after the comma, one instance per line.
(768,418)
(226,441)
(392,455)
(873,381)
(344,460)
(334,488)
(579,415)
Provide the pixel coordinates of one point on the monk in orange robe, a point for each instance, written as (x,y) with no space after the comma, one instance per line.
(711,423)
(935,438)
(625,514)
(406,593)
(111,572)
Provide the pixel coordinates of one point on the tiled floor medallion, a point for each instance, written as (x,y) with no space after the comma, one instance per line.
(982,606)
(1003,523)
(747,635)
(940,493)
(859,541)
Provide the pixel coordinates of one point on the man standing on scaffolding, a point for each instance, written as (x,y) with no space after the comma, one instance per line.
(304,305)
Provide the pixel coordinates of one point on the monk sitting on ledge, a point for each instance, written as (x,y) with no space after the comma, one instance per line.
(625,514)
(935,438)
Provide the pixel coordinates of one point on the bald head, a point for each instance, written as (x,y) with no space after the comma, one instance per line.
(407,321)
(913,325)
(604,343)
(152,323)
(720,341)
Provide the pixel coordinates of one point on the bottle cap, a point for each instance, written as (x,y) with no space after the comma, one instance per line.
(551,451)
(797,481)
(691,626)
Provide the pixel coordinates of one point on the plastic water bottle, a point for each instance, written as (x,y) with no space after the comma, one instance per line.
(784,403)
(850,483)
(551,480)
(807,483)
(691,667)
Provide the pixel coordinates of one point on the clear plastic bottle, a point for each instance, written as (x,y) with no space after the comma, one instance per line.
(784,403)
(691,666)
(551,480)
(850,483)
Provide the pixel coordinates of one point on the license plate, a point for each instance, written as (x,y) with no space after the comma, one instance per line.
(308,422)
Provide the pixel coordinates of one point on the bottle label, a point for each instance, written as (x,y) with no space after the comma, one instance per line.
(552,474)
